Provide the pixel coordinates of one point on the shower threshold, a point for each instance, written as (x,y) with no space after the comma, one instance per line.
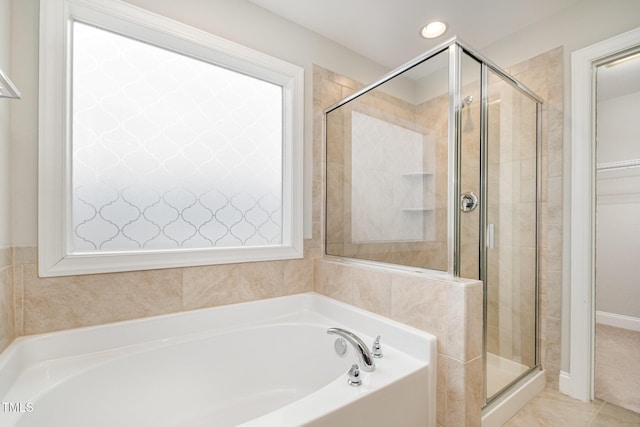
(509,402)
(501,372)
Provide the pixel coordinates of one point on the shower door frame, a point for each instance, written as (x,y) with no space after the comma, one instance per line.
(455,144)
(484,227)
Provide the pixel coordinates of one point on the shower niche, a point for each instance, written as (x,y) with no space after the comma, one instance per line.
(436,167)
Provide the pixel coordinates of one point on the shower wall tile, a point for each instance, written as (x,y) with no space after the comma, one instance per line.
(555,162)
(543,74)
(553,295)
(553,341)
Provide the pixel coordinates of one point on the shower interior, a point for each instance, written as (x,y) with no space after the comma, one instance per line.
(436,166)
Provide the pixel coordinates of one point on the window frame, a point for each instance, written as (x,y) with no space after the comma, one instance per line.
(55,151)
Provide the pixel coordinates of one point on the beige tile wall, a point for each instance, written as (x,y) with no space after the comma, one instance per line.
(448,308)
(7,330)
(543,75)
(56,303)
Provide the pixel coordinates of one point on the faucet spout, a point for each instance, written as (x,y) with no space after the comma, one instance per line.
(364,356)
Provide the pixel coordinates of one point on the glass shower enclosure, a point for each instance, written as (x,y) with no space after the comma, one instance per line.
(436,167)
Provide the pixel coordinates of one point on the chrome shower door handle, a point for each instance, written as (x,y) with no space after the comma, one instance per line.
(490,236)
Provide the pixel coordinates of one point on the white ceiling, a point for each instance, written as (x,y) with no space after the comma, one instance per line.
(387,31)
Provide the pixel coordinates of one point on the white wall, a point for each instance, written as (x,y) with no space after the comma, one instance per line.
(618,207)
(24,123)
(5,65)
(618,127)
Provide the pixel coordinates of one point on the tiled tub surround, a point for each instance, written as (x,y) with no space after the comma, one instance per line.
(57,303)
(451,309)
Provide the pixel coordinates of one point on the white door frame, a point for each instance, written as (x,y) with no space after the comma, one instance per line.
(579,383)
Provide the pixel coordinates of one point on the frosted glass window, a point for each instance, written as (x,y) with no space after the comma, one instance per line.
(169,151)
(162,145)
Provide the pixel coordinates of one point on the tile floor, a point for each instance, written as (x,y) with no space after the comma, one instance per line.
(553,409)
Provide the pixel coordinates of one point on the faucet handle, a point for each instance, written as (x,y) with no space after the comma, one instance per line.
(354,376)
(376,350)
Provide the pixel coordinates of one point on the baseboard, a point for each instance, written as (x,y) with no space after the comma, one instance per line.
(564,383)
(618,321)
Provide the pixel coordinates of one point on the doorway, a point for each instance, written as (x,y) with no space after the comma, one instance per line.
(617,231)
(578,382)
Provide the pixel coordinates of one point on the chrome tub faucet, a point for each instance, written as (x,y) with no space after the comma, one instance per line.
(364,355)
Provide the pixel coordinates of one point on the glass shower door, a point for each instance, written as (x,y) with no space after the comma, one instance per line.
(511,235)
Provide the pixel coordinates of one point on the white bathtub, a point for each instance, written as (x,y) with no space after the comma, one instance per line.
(264,363)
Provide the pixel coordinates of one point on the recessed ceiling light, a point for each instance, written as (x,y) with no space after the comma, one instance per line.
(433,29)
